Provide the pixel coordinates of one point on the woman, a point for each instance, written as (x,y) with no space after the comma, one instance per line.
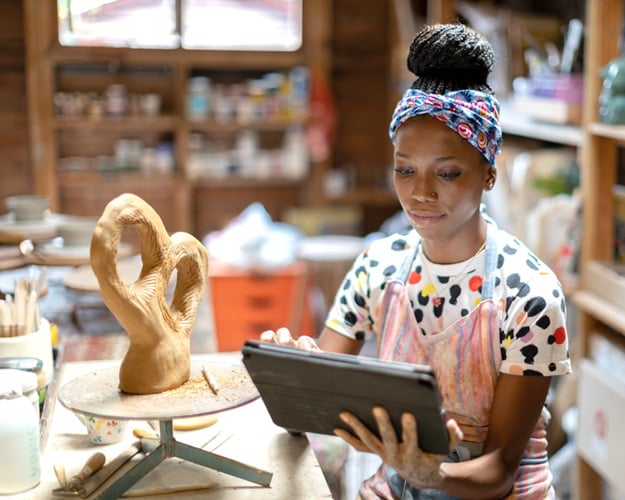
(455,292)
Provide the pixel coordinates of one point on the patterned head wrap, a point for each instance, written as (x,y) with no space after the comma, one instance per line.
(472,114)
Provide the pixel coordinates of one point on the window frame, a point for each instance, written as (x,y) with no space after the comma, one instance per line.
(177,36)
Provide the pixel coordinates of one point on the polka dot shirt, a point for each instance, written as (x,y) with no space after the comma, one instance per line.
(532,309)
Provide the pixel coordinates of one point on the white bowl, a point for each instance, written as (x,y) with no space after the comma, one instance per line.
(27,207)
(76,231)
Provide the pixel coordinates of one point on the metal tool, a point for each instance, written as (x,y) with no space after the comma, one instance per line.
(99,477)
(76,484)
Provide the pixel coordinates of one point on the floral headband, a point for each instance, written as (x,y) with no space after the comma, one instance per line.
(472,114)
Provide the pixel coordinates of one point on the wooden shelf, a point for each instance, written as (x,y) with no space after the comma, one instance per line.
(217,59)
(606,312)
(515,123)
(52,68)
(616,132)
(122,178)
(167,123)
(275,124)
(164,123)
(241,182)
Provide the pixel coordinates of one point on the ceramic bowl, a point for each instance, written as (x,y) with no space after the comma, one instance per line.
(103,430)
(77,231)
(27,207)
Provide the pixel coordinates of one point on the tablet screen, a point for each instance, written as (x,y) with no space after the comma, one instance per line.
(306,391)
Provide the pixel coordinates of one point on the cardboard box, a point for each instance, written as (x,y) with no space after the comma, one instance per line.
(600,438)
(606,279)
(548,109)
(607,355)
(565,87)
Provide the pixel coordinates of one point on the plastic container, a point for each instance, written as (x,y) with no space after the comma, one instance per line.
(20,468)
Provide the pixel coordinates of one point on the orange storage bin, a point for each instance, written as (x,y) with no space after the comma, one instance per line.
(247,302)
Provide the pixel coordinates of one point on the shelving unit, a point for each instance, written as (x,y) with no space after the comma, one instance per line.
(515,123)
(183,201)
(597,313)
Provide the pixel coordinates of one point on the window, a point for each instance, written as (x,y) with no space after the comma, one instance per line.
(271,25)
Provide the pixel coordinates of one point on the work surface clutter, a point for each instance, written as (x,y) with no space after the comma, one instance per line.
(79,336)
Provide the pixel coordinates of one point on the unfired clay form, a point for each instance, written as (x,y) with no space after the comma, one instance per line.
(159,356)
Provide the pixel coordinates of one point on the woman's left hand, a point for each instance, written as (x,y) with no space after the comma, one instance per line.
(419,468)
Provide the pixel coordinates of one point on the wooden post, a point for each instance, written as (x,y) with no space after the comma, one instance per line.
(40,94)
(599,159)
(317,43)
(441,11)
(603,24)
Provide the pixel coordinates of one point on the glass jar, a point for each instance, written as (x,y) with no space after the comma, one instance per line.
(198,98)
(116,100)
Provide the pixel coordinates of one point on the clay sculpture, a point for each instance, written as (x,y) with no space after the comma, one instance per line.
(159,357)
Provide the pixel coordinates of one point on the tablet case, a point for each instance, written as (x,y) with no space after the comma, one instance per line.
(306,391)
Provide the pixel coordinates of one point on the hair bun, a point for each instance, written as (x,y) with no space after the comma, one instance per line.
(446,57)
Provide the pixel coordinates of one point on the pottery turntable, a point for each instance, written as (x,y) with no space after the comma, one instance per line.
(97,394)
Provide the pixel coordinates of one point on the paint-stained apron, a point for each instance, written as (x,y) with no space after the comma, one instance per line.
(466,357)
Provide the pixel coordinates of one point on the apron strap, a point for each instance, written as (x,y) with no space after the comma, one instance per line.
(404,270)
(488,287)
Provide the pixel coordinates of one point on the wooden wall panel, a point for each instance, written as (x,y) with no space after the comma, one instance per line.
(361,85)
(215,206)
(89,194)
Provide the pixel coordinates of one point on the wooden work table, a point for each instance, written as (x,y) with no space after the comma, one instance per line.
(245,434)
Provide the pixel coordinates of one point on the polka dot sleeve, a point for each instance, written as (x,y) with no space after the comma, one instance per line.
(357,308)
(350,313)
(534,337)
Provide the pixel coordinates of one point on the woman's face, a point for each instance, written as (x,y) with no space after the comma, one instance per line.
(439,179)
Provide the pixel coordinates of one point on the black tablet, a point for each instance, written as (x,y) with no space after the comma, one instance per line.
(306,391)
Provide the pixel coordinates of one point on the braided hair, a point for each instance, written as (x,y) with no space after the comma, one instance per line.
(448,57)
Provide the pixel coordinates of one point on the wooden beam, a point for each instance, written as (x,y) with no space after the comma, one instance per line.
(317,40)
(599,160)
(603,25)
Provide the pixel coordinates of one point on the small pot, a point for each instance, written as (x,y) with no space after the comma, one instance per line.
(77,231)
(27,207)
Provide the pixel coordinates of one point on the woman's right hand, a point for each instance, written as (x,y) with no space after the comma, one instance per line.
(283,336)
